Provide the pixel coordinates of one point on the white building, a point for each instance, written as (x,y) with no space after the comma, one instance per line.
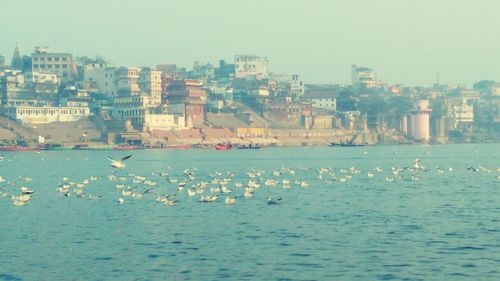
(327,103)
(248,66)
(46,114)
(163,122)
(461,113)
(103,77)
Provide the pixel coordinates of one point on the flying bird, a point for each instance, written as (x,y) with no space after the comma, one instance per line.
(119,164)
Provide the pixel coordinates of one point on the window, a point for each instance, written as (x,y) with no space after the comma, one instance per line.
(35,59)
(64,66)
(42,59)
(57,58)
(49,59)
(57,66)
(49,65)
(35,66)
(64,59)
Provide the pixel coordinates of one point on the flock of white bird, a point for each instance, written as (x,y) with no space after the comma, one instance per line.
(168,187)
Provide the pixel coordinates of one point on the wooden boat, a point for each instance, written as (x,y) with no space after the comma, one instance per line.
(179,146)
(80,146)
(250,146)
(347,144)
(127,147)
(224,147)
(18,148)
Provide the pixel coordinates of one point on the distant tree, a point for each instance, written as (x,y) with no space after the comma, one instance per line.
(374,105)
(399,105)
(347,100)
(484,86)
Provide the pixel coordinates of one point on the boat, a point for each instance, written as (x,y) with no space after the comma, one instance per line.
(18,148)
(250,146)
(346,144)
(178,146)
(80,146)
(52,146)
(349,143)
(227,146)
(127,147)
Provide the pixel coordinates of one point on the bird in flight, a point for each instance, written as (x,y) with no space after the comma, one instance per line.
(119,164)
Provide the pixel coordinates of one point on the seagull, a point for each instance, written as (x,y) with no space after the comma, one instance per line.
(118,164)
(230,200)
(271,201)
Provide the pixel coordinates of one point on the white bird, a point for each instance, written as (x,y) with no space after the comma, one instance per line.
(191,193)
(230,200)
(121,200)
(118,164)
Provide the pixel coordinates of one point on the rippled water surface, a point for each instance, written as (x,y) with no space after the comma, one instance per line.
(441,225)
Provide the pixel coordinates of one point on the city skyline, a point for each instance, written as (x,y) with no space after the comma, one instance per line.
(321,42)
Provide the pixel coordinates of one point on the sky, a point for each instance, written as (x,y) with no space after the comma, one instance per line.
(403,41)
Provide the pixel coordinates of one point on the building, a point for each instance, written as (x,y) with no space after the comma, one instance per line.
(461,113)
(288,85)
(163,122)
(225,70)
(364,76)
(42,83)
(133,109)
(46,114)
(150,83)
(102,78)
(127,81)
(419,122)
(187,97)
(251,66)
(62,64)
(2,61)
(322,96)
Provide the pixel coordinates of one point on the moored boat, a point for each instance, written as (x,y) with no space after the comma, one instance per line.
(127,147)
(250,146)
(346,144)
(18,148)
(224,146)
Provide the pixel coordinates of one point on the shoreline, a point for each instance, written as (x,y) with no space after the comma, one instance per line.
(189,146)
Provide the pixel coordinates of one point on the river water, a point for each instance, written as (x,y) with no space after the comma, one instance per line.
(437,222)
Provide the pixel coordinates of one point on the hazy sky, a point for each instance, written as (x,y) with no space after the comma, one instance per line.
(404,41)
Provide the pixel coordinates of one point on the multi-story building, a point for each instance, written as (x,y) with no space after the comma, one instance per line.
(364,76)
(461,113)
(47,114)
(322,96)
(127,81)
(225,70)
(189,98)
(42,83)
(102,77)
(288,85)
(150,82)
(61,64)
(251,66)
(2,61)
(13,90)
(133,108)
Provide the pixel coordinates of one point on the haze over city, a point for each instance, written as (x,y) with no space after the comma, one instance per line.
(407,42)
